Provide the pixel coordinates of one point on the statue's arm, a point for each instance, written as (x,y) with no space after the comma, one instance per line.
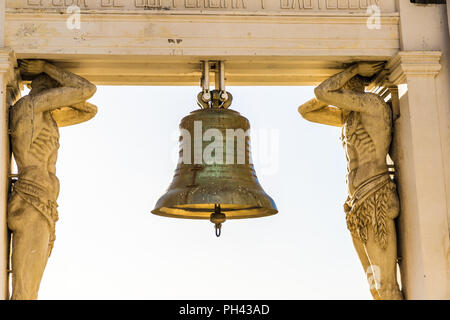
(74,89)
(331,91)
(74,114)
(319,112)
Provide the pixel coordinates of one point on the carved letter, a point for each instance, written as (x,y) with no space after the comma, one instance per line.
(34,2)
(107,3)
(191,4)
(147,3)
(285,4)
(213,4)
(58,3)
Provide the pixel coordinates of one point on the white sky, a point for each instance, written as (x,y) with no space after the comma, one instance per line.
(114,168)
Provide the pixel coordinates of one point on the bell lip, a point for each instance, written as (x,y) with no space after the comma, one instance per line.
(268,212)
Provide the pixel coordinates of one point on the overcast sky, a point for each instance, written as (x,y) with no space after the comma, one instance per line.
(114,168)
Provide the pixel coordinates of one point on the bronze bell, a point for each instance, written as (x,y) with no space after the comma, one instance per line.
(215,183)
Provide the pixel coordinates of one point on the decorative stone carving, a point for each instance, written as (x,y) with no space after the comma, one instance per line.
(57,98)
(372,203)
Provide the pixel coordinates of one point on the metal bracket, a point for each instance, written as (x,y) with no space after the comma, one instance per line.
(218,98)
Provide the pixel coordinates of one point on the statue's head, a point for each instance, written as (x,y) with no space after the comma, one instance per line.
(357,83)
(41,83)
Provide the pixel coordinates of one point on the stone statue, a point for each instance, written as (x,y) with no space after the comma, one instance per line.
(372,203)
(57,98)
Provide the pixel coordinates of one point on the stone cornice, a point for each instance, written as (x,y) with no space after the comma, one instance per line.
(414,64)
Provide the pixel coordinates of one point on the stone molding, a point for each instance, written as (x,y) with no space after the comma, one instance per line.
(414,64)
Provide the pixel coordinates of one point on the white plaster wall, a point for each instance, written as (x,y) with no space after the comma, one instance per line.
(2,22)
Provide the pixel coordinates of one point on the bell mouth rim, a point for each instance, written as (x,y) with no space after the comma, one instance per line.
(202,214)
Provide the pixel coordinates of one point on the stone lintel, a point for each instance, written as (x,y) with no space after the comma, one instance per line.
(151,47)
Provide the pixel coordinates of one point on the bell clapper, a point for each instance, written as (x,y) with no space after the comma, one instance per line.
(218,227)
(217,217)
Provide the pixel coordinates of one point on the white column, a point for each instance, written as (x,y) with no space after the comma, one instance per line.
(448,15)
(8,93)
(3,231)
(419,158)
(2,22)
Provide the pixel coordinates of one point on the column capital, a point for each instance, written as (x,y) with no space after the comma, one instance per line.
(7,63)
(414,64)
(8,68)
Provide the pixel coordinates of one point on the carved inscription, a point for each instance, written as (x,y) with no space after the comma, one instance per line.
(223,4)
(242,5)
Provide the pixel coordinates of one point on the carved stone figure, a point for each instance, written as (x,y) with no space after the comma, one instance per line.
(372,203)
(57,98)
